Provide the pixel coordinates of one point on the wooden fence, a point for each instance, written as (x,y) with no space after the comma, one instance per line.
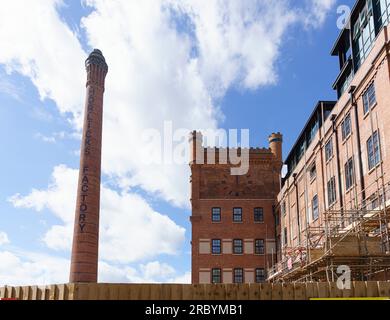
(266,291)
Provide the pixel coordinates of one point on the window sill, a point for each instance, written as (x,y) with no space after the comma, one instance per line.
(346,138)
(376,167)
(369,110)
(350,189)
(259,222)
(330,206)
(329,160)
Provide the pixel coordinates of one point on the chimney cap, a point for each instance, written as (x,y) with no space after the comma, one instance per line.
(96,57)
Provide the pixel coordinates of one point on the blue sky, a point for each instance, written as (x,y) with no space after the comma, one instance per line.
(263,70)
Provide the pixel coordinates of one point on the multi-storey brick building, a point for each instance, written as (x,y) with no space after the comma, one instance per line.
(332,201)
(333,208)
(233,229)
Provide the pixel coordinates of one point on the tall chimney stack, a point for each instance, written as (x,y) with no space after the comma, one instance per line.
(84,263)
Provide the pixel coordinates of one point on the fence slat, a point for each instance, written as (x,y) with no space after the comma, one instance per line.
(113,292)
(188,292)
(323,289)
(144,292)
(334,291)
(53,292)
(384,289)
(254,291)
(155,291)
(299,291)
(243,292)
(360,289)
(27,293)
(199,292)
(266,291)
(231,291)
(176,292)
(216,292)
(277,291)
(311,290)
(123,292)
(288,291)
(372,289)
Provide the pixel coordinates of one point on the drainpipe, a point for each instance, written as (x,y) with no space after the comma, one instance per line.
(297,206)
(333,119)
(358,142)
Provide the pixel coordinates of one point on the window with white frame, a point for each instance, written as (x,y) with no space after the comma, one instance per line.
(331,191)
(349,174)
(373,150)
(346,127)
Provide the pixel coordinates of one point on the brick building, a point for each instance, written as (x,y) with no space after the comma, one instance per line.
(233,229)
(333,205)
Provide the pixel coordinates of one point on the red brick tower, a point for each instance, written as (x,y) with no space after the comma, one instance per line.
(84,264)
(233,224)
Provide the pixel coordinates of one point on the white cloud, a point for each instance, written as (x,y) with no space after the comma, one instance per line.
(47,139)
(9,88)
(25,268)
(20,267)
(238,41)
(130,229)
(41,46)
(318,12)
(155,269)
(3,238)
(157,72)
(182,279)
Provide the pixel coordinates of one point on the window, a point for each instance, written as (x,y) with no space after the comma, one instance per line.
(363,34)
(260,275)
(259,246)
(283,208)
(216,214)
(313,171)
(349,174)
(237,214)
(346,127)
(216,246)
(285,236)
(216,276)
(315,208)
(383,12)
(331,191)
(329,149)
(238,275)
(369,98)
(237,246)
(259,214)
(373,151)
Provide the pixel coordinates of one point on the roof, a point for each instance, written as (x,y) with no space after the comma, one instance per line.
(301,135)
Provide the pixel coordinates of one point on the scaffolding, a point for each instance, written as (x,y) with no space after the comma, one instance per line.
(357,238)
